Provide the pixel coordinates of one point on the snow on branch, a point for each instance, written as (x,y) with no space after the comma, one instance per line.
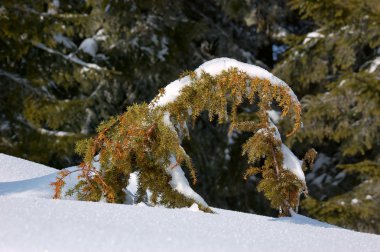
(70,57)
(173,91)
(145,138)
(56,133)
(215,67)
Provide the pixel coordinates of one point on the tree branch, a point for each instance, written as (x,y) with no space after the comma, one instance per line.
(71,57)
(56,133)
(24,83)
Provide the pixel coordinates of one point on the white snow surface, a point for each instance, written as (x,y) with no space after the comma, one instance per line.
(215,67)
(35,223)
(13,169)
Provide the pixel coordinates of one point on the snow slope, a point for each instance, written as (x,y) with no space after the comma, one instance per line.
(35,223)
(12,169)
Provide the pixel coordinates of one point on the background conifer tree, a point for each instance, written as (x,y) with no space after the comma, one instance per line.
(68,65)
(336,68)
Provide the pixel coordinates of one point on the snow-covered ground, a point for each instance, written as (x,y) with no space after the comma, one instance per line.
(30,221)
(13,169)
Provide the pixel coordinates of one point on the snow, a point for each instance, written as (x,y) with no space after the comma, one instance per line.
(89,46)
(68,43)
(100,35)
(34,187)
(172,91)
(53,9)
(56,3)
(292,163)
(36,223)
(274,115)
(13,169)
(56,133)
(215,67)
(180,183)
(312,35)
(374,65)
(71,57)
(354,201)
(53,225)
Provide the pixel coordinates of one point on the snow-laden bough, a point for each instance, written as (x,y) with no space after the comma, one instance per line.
(147,138)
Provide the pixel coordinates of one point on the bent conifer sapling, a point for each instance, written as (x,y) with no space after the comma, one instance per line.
(146,140)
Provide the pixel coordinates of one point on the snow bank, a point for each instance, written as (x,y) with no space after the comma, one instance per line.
(215,67)
(57,225)
(24,179)
(36,187)
(13,169)
(31,222)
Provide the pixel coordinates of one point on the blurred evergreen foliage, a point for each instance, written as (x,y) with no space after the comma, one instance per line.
(65,66)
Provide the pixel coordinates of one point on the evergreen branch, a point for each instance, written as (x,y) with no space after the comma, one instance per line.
(50,14)
(172,166)
(56,133)
(71,57)
(275,162)
(95,92)
(24,83)
(60,182)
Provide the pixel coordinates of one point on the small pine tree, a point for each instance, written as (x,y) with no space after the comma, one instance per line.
(147,139)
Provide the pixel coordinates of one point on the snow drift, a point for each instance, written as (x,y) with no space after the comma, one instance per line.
(36,223)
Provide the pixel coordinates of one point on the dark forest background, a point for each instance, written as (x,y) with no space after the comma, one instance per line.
(65,66)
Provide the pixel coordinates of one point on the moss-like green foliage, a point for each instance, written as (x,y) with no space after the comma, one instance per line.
(146,138)
(357,209)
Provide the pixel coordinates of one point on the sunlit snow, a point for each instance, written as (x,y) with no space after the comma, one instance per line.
(35,223)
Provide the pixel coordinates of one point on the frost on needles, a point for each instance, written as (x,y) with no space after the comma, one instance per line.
(146,139)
